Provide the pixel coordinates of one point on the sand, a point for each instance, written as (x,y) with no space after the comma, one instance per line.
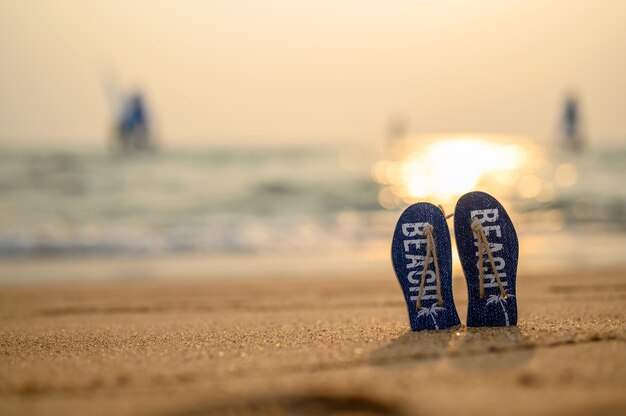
(308,345)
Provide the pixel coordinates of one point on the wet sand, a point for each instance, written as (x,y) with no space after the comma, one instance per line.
(309,345)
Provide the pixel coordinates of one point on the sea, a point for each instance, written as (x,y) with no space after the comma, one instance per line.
(288,200)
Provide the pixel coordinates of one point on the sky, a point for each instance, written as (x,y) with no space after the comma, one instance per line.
(292,72)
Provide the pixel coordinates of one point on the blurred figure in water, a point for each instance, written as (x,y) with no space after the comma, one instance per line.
(397,132)
(571,124)
(133,126)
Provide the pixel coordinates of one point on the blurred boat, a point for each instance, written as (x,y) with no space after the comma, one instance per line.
(132,129)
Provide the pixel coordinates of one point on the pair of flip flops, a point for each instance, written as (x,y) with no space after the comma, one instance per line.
(488,248)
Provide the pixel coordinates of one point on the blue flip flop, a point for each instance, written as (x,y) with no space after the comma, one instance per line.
(489,250)
(421,244)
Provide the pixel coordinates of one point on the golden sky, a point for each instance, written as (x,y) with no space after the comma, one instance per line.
(288,71)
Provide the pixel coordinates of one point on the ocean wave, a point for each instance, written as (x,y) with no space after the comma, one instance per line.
(276,200)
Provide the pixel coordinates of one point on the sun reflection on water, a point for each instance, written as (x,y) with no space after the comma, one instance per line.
(442,168)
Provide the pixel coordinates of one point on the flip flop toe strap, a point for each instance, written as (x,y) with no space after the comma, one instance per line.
(431,253)
(484,246)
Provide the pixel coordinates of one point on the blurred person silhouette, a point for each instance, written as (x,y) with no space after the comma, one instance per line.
(571,123)
(397,132)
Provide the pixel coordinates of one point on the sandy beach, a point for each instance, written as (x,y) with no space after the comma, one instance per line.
(310,345)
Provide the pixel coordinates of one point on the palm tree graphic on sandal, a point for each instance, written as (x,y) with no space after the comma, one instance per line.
(501,300)
(432,312)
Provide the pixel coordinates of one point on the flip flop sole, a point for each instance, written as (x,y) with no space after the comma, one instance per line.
(493,309)
(408,249)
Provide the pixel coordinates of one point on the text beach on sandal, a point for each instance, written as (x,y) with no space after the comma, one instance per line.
(422,259)
(488,250)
